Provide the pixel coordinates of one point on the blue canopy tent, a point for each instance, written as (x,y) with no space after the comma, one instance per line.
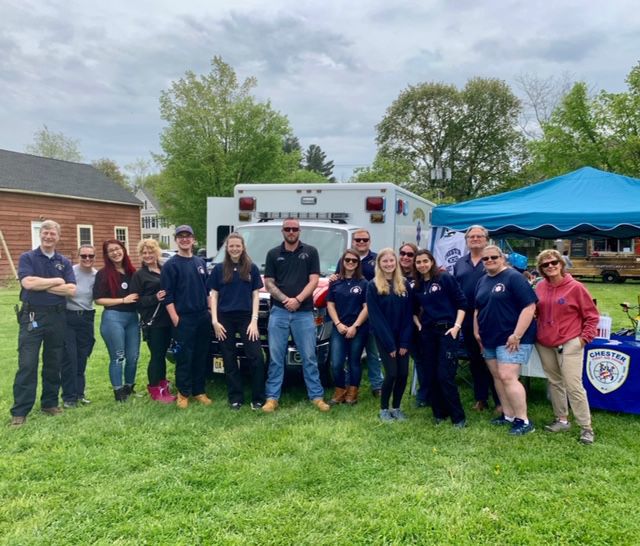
(586,202)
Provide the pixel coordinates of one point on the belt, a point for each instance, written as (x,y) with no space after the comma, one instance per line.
(59,308)
(81,312)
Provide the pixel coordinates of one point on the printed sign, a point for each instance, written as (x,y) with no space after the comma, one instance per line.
(607,369)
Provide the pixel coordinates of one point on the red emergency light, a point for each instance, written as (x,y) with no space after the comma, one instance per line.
(374,204)
(247,203)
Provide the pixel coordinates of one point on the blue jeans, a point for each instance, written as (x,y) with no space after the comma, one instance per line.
(347,351)
(374,364)
(121,335)
(303,330)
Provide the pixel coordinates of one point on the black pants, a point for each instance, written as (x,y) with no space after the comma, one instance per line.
(49,333)
(238,322)
(396,372)
(79,340)
(192,337)
(441,365)
(482,380)
(158,340)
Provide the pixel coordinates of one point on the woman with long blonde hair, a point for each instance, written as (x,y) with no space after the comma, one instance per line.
(390,318)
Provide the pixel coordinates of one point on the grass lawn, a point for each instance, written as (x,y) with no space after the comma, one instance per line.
(143,473)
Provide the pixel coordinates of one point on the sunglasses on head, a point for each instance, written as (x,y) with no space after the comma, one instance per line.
(290,229)
(547,264)
(351,260)
(407,254)
(87,256)
(360,240)
(492,258)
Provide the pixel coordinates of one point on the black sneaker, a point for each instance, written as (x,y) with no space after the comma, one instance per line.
(520,429)
(501,421)
(70,405)
(256,406)
(84,401)
(235,406)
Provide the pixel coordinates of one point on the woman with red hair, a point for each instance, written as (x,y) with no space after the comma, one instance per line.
(119,324)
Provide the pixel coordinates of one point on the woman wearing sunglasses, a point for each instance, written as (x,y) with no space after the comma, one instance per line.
(439,305)
(119,324)
(406,257)
(347,307)
(503,325)
(79,337)
(567,321)
(390,318)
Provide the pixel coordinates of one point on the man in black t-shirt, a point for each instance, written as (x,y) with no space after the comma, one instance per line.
(291,275)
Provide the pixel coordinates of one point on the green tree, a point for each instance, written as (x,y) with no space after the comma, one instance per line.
(54,145)
(601,130)
(110,169)
(218,135)
(470,133)
(316,160)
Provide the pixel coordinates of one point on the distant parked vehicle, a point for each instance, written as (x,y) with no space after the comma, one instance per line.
(166,254)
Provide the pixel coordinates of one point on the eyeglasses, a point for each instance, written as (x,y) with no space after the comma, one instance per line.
(547,264)
(184,236)
(291,229)
(87,256)
(492,258)
(407,254)
(351,260)
(360,240)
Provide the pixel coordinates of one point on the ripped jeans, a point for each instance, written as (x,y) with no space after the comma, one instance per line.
(121,335)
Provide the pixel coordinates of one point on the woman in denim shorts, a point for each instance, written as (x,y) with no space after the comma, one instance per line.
(505,305)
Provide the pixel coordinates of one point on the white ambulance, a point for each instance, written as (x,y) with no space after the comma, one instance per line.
(329,214)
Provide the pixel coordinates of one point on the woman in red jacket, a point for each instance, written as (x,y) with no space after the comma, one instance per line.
(567,321)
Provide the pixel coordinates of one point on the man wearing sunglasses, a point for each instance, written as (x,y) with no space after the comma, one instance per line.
(467,271)
(291,274)
(79,336)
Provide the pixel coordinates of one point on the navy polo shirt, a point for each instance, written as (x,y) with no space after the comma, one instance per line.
(440,298)
(185,281)
(291,271)
(348,295)
(500,300)
(468,276)
(236,295)
(36,264)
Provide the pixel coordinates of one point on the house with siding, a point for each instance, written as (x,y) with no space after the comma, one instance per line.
(153,224)
(89,207)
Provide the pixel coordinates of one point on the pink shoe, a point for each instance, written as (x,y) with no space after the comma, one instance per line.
(158,394)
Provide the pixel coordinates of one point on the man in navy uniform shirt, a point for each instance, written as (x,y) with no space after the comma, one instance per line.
(46,278)
(467,271)
(292,271)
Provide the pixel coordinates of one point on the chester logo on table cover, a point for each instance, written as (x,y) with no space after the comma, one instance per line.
(607,369)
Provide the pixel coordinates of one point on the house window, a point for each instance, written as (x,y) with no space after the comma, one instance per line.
(85,235)
(122,234)
(35,234)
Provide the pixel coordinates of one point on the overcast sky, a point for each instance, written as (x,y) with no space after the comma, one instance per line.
(94,70)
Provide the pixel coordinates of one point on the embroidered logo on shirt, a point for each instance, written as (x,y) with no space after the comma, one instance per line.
(59,267)
(562,301)
(355,290)
(303,256)
(434,288)
(498,288)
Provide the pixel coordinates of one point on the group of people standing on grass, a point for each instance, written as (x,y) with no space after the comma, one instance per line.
(395,306)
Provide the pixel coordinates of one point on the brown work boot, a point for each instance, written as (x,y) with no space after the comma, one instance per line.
(480,405)
(182,401)
(203,399)
(321,404)
(352,396)
(54,410)
(338,396)
(18,421)
(270,405)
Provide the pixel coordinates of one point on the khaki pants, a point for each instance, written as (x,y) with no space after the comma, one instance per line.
(564,371)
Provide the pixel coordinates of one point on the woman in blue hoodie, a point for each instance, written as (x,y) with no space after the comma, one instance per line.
(389,307)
